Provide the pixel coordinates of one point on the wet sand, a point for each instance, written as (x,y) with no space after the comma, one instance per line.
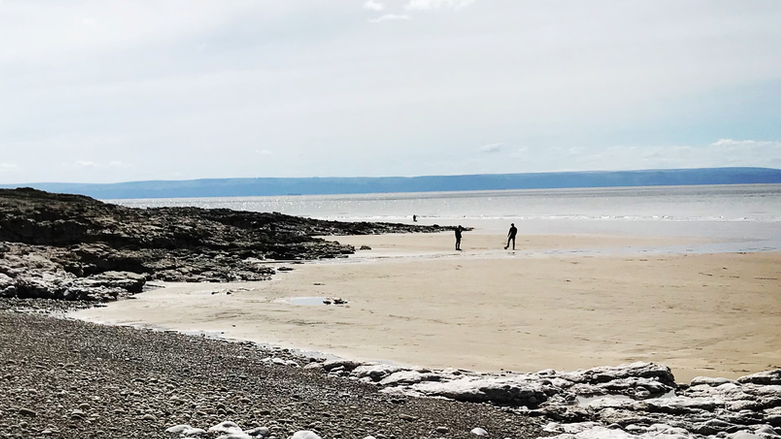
(561,302)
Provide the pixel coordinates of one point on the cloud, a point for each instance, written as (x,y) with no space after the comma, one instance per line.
(722,153)
(6,167)
(84,164)
(437,4)
(263,152)
(744,144)
(373,5)
(389,17)
(192,86)
(492,147)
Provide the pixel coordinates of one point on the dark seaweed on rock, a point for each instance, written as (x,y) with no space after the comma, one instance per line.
(67,246)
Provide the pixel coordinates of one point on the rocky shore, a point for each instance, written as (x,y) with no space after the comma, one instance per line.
(72,379)
(63,378)
(68,378)
(74,247)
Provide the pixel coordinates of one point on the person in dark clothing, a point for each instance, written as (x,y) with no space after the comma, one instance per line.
(458,237)
(511,236)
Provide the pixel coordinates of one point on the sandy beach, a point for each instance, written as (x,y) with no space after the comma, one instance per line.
(561,302)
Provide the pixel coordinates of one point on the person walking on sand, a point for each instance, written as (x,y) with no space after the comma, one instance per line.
(458,237)
(511,236)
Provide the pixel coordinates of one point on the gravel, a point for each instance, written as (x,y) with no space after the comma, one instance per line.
(64,378)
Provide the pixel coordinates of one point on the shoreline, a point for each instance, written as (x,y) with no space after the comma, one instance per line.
(566,311)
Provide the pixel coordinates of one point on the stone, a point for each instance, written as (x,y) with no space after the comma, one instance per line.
(345,364)
(375,372)
(27,412)
(708,381)
(477,431)
(259,432)
(226,427)
(304,434)
(498,390)
(193,432)
(770,377)
(178,429)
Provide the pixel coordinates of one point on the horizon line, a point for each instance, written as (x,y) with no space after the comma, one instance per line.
(19,185)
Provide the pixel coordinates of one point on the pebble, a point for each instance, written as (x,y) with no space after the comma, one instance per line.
(27,412)
(305,434)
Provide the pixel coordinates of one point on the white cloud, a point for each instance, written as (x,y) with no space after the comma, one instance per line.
(492,147)
(436,4)
(263,152)
(373,5)
(722,153)
(389,17)
(744,144)
(197,87)
(83,164)
(5,167)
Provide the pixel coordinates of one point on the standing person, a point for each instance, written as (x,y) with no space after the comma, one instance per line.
(511,236)
(458,237)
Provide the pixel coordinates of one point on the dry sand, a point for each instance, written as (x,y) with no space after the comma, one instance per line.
(412,302)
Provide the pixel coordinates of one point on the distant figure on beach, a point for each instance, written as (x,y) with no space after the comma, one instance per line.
(511,236)
(414,218)
(458,237)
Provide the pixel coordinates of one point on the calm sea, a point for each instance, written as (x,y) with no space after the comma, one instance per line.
(747,215)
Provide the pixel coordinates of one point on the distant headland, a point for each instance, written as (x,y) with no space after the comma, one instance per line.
(244,187)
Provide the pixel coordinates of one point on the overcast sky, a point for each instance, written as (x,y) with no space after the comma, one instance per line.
(108,91)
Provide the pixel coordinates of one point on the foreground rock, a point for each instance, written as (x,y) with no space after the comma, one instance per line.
(633,400)
(71,379)
(74,247)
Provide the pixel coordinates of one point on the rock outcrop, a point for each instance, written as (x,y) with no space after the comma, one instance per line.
(65,246)
(638,400)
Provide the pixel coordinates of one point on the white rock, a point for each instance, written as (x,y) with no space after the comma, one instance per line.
(226,428)
(502,390)
(304,434)
(743,435)
(374,371)
(479,432)
(573,428)
(193,432)
(177,429)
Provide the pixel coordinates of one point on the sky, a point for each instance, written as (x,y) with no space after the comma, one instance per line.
(97,91)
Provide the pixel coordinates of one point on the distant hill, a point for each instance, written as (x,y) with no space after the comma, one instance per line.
(236,187)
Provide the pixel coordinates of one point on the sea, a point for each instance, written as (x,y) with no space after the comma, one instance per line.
(734,217)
